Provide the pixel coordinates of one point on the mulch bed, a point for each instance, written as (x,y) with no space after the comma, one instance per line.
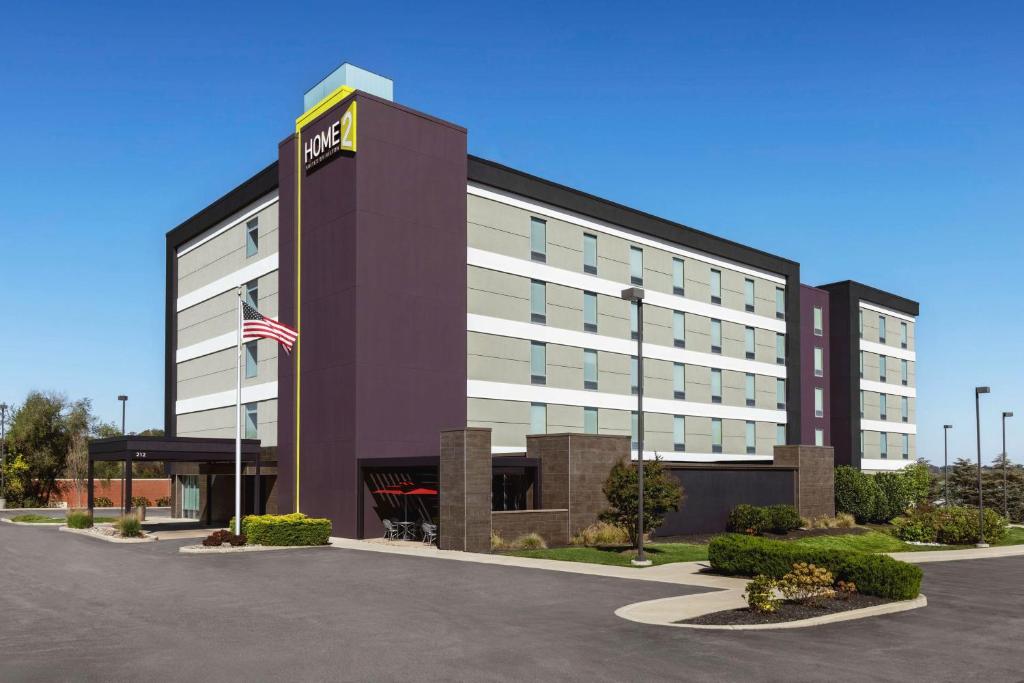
(787,611)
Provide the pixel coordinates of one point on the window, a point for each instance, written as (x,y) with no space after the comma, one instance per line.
(538,363)
(634,429)
(679,329)
(748,342)
(881,329)
(716,336)
(819,437)
(780,393)
(716,286)
(819,362)
(636,265)
(634,374)
(751,437)
(862,364)
(589,253)
(716,435)
(780,303)
(252,238)
(819,402)
(634,320)
(882,407)
(819,323)
(252,293)
(904,372)
(780,435)
(589,312)
(678,277)
(906,447)
(716,385)
(749,388)
(860,324)
(862,442)
(884,445)
(748,294)
(904,409)
(780,348)
(590,420)
(538,239)
(251,421)
(881,368)
(903,335)
(251,359)
(679,433)
(589,369)
(538,302)
(862,404)
(538,418)
(679,380)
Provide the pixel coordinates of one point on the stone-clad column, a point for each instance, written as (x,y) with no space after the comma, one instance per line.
(465,490)
(815,477)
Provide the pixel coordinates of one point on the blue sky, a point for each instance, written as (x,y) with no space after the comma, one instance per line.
(878,142)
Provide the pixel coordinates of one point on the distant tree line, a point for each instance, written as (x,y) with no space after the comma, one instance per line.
(963,486)
(48,439)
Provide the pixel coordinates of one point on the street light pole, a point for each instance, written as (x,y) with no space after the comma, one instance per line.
(124,400)
(636,295)
(1006,498)
(978,391)
(3,453)
(945,464)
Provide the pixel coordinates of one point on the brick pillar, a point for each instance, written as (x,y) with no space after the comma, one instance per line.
(573,470)
(815,477)
(465,491)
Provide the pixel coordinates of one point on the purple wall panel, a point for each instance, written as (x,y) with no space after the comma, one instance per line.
(809,298)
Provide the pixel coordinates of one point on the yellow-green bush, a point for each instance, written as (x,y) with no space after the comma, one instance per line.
(293,529)
(601,534)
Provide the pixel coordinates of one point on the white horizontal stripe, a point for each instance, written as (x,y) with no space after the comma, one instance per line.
(588,340)
(228,282)
(888,427)
(504,391)
(884,464)
(592,283)
(231,222)
(887,311)
(610,229)
(667,456)
(886,388)
(886,350)
(207,346)
(251,394)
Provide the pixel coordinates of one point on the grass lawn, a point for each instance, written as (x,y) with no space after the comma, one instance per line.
(44,519)
(874,541)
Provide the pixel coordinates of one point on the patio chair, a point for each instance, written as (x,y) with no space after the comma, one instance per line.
(429,533)
(391,531)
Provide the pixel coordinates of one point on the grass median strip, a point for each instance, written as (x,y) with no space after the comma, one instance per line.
(45,519)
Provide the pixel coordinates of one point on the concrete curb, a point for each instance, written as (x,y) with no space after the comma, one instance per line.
(5,520)
(215,550)
(109,539)
(923,556)
(667,611)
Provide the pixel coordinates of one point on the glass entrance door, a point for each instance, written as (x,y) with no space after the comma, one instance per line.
(190,496)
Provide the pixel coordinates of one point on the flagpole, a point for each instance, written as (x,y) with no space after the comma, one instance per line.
(238,421)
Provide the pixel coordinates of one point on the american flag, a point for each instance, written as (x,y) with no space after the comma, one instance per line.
(258,325)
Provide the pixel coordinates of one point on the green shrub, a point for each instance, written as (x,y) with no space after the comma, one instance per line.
(914,528)
(662,494)
(748,519)
(129,526)
(293,529)
(760,594)
(857,493)
(783,518)
(959,526)
(896,495)
(163,501)
(601,534)
(807,584)
(79,519)
(140,501)
(879,575)
(102,502)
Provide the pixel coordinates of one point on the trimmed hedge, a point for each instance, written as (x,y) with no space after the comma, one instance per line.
(878,575)
(754,520)
(293,529)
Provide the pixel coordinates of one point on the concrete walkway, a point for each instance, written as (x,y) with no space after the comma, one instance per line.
(923,556)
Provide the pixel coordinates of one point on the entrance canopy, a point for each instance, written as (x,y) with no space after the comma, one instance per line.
(129,449)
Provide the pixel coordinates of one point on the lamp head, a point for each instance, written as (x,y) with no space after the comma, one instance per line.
(982,390)
(1008,413)
(633,294)
(947,426)
(122,397)
(3,407)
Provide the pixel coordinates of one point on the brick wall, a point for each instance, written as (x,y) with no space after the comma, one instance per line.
(75,498)
(815,494)
(552,525)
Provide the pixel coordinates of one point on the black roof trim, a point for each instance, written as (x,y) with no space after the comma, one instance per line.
(231,203)
(509,179)
(171,448)
(857,290)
